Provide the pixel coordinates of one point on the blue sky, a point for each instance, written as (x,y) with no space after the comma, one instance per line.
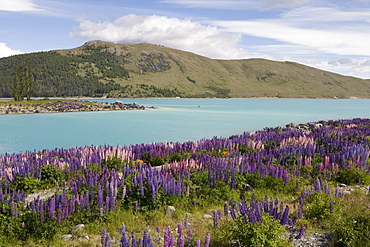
(333,35)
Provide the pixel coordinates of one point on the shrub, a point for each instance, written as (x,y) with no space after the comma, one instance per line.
(352,177)
(51,175)
(352,230)
(318,205)
(267,233)
(28,184)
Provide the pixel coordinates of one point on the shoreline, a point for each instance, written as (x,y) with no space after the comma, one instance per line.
(60,106)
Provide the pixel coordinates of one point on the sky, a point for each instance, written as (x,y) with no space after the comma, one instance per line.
(332,35)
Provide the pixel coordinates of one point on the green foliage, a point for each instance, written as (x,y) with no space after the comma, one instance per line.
(268,233)
(113,163)
(352,226)
(179,156)
(28,184)
(352,177)
(267,182)
(18,83)
(143,90)
(156,160)
(244,150)
(317,206)
(55,75)
(52,175)
(203,193)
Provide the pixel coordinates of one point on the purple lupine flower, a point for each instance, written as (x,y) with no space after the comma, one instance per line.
(100,196)
(41,209)
(215,219)
(136,205)
(252,217)
(107,241)
(285,218)
(133,239)
(208,240)
(189,238)
(301,233)
(233,214)
(179,228)
(300,212)
(226,209)
(197,243)
(180,241)
(167,237)
(103,237)
(124,241)
(146,240)
(337,191)
(107,200)
(186,222)
(172,241)
(331,207)
(51,208)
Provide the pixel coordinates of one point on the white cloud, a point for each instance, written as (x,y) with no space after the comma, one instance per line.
(184,34)
(326,14)
(236,4)
(5,51)
(270,4)
(215,4)
(325,30)
(18,5)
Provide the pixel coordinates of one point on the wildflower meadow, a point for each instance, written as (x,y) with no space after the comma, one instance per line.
(267,188)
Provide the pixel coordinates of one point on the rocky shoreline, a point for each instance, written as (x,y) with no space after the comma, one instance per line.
(66,106)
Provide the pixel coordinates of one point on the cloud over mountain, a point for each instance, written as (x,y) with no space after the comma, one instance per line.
(182,34)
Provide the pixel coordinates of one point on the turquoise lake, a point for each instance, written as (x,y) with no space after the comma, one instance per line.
(175,120)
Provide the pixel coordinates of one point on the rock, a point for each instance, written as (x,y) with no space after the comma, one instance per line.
(78,228)
(207,216)
(158,240)
(67,237)
(170,211)
(85,238)
(247,187)
(342,185)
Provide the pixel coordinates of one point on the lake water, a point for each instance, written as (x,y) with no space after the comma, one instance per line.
(176,120)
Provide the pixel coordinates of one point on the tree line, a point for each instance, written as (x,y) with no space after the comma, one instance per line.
(56,75)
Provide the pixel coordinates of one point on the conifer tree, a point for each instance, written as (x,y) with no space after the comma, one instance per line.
(18,84)
(23,82)
(29,81)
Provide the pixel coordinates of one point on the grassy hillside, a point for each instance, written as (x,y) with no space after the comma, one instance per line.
(144,70)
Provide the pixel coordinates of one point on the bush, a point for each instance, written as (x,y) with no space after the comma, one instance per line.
(267,233)
(352,230)
(28,184)
(352,177)
(52,175)
(317,206)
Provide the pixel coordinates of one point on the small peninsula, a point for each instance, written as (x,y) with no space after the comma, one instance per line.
(62,105)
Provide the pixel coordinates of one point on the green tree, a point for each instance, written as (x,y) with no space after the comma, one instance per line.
(18,84)
(28,81)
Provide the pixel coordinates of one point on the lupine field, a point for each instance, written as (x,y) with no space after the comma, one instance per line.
(267,188)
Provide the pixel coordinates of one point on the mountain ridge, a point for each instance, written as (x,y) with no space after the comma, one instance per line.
(99,68)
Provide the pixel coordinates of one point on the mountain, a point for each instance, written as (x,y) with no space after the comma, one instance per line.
(100,68)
